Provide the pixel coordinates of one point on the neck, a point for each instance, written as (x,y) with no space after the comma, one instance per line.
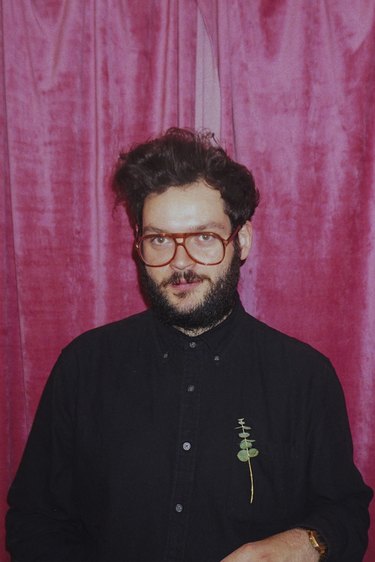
(193,332)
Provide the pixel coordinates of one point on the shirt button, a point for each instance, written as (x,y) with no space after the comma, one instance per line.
(217,358)
(186,446)
(165,355)
(179,507)
(193,344)
(191,388)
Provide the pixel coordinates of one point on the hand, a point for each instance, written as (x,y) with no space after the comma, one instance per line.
(290,546)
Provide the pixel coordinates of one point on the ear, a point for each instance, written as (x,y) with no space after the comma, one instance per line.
(245,236)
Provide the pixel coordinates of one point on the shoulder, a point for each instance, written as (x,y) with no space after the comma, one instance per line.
(121,334)
(273,337)
(289,367)
(103,353)
(283,352)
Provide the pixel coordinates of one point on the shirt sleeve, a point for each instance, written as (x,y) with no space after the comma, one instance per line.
(338,498)
(43,523)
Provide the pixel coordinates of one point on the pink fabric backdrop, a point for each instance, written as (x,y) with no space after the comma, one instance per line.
(79,80)
(297,85)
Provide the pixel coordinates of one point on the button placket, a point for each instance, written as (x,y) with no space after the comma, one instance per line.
(190,371)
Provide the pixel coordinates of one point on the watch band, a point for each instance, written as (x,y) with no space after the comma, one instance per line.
(317,542)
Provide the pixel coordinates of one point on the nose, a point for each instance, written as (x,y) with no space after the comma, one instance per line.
(181,259)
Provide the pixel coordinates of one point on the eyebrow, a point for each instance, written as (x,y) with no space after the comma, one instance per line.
(198,228)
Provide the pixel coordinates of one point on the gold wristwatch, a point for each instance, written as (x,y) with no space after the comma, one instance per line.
(317,542)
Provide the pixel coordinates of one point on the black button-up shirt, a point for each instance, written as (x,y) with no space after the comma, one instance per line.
(133,452)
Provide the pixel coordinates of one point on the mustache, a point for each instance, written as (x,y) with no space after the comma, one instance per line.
(187,276)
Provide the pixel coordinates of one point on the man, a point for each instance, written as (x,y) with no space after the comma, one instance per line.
(191,432)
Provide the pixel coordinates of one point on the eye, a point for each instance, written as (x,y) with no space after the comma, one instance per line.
(206,237)
(160,240)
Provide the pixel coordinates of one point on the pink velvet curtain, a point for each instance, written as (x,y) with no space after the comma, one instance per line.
(297,86)
(80,80)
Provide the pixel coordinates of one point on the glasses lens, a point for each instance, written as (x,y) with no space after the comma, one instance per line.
(205,247)
(157,250)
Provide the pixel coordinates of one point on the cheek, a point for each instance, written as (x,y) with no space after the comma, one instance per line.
(158,274)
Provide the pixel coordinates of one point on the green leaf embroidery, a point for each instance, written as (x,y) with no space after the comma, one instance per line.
(247,451)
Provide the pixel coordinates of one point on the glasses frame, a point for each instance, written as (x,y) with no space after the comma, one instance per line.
(183,236)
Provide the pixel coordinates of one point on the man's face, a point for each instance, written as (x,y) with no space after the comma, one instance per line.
(185,293)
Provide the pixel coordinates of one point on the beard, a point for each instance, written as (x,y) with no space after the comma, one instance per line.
(216,304)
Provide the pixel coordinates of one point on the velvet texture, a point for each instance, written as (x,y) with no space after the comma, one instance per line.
(296,87)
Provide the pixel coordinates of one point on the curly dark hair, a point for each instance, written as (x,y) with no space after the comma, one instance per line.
(178,158)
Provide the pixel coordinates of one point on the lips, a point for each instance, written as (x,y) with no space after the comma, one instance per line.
(185,282)
(186,279)
(184,291)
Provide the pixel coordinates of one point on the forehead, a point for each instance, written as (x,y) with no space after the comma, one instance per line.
(185,208)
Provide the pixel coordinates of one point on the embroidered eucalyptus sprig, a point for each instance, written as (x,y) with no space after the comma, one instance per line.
(247,451)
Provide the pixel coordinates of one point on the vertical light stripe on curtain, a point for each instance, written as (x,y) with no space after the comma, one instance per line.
(79,81)
(297,86)
(207,90)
